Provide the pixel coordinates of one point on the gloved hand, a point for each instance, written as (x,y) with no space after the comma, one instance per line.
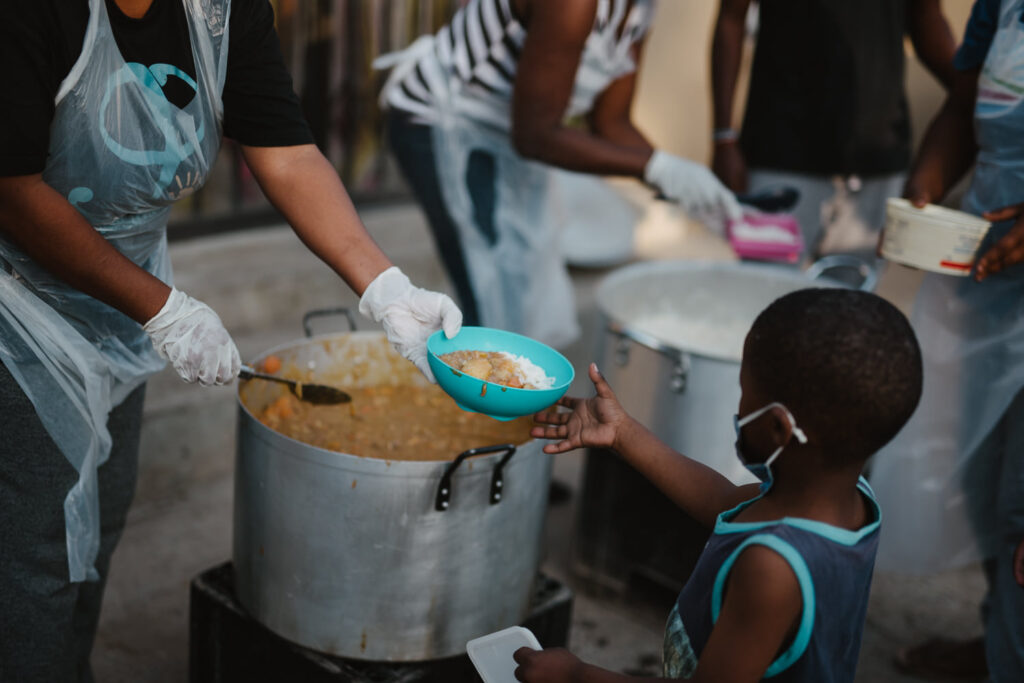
(409,315)
(191,336)
(694,187)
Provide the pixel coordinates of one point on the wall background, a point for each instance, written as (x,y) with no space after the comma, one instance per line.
(673,104)
(329,46)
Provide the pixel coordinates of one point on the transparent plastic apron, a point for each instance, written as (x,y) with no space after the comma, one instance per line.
(936,480)
(121,154)
(518,275)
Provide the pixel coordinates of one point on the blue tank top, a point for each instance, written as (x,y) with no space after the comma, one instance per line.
(833,567)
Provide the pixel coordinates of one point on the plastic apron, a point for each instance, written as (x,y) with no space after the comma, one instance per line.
(936,480)
(121,154)
(518,274)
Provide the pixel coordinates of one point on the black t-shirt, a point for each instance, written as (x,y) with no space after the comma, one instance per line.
(826,88)
(40,40)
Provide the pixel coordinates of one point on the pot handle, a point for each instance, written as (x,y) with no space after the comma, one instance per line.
(833,261)
(444,489)
(324,313)
(680,359)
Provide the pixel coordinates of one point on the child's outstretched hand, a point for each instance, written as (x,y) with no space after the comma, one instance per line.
(593,422)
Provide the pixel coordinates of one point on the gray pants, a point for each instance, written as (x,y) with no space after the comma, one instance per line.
(47,624)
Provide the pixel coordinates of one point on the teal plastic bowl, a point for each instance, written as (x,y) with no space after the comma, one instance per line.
(501,403)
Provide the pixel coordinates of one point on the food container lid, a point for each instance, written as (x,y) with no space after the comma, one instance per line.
(492,654)
(932,215)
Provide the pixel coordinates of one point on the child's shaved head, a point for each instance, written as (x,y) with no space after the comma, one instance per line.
(846,364)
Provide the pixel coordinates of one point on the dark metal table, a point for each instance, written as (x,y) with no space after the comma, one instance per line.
(226,645)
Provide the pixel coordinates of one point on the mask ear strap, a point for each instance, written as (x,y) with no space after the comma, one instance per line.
(773,456)
(747,419)
(797,431)
(794,429)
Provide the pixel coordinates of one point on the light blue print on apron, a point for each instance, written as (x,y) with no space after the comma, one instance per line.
(175,149)
(74,356)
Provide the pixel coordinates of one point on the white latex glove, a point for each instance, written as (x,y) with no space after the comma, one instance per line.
(694,187)
(409,315)
(191,336)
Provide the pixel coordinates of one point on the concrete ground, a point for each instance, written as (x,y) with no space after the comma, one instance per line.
(260,282)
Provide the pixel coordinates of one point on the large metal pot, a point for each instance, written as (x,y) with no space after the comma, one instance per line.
(682,380)
(375,559)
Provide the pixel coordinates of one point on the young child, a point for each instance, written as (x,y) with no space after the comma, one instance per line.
(781,589)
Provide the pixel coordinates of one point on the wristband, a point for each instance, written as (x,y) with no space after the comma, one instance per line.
(725,135)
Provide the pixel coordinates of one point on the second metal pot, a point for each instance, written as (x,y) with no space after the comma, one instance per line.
(686,389)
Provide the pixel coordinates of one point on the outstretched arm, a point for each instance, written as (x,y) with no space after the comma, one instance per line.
(305,188)
(602,423)
(699,490)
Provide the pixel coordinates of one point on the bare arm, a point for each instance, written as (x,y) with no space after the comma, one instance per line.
(601,422)
(42,223)
(932,39)
(610,117)
(556,33)
(760,612)
(305,188)
(560,666)
(726,54)
(697,489)
(949,147)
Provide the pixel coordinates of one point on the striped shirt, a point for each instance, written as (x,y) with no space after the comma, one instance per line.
(477,56)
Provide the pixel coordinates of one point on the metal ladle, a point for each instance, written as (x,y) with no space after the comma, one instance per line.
(319,394)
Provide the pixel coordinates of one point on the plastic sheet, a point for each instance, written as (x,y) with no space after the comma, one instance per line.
(518,274)
(121,154)
(934,480)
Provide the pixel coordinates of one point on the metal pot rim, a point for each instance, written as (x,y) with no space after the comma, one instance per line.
(427,469)
(629,273)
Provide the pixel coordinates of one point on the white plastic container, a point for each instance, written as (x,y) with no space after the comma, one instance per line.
(934,238)
(492,654)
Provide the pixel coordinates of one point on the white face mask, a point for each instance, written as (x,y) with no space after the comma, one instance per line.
(762,470)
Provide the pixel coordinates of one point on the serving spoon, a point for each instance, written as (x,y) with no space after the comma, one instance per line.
(319,394)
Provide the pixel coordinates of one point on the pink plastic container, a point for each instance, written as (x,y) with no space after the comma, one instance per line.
(766,237)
